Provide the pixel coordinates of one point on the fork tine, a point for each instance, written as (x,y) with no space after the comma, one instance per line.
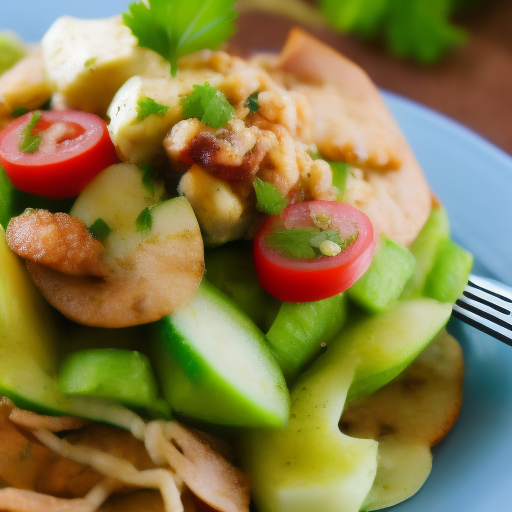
(491,287)
(495,302)
(487,308)
(483,324)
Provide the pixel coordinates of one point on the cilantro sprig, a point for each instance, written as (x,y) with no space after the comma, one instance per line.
(268,198)
(100,230)
(147,107)
(208,105)
(29,142)
(175,28)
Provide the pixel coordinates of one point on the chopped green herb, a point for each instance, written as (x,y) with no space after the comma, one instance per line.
(252,102)
(208,105)
(147,107)
(175,28)
(294,243)
(148,177)
(90,62)
(144,221)
(29,142)
(19,111)
(306,242)
(100,230)
(269,199)
(340,172)
(321,221)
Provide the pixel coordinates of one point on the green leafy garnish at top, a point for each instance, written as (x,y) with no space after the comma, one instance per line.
(252,102)
(100,230)
(147,107)
(175,28)
(30,142)
(269,199)
(305,243)
(149,176)
(208,105)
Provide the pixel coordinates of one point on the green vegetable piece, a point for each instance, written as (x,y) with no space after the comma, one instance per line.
(301,330)
(252,102)
(231,269)
(309,464)
(381,285)
(215,366)
(90,62)
(208,105)
(450,273)
(14,202)
(144,221)
(149,177)
(419,29)
(424,249)
(340,172)
(269,199)
(294,243)
(19,111)
(11,50)
(29,142)
(100,230)
(175,28)
(121,375)
(147,107)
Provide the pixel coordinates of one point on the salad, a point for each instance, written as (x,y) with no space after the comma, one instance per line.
(225,281)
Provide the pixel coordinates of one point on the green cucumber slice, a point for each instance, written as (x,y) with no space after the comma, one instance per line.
(231,269)
(125,376)
(424,249)
(214,364)
(301,330)
(450,273)
(381,285)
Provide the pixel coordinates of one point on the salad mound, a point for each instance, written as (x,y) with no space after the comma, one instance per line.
(249,277)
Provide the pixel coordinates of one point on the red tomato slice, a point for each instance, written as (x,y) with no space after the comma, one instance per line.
(311,279)
(75,147)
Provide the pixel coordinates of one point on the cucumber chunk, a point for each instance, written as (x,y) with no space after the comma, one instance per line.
(231,269)
(214,364)
(121,375)
(301,330)
(381,285)
(424,249)
(450,273)
(311,465)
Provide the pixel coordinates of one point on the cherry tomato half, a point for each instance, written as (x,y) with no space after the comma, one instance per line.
(307,279)
(75,146)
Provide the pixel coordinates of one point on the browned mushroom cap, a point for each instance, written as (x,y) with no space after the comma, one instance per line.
(353,124)
(159,275)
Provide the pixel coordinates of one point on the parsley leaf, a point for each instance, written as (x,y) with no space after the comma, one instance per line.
(209,105)
(19,111)
(175,28)
(148,106)
(269,199)
(148,178)
(294,243)
(252,102)
(340,172)
(419,29)
(30,143)
(90,62)
(144,221)
(100,230)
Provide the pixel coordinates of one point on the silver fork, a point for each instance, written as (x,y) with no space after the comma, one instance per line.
(487,307)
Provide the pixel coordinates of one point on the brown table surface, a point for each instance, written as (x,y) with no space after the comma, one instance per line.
(473,84)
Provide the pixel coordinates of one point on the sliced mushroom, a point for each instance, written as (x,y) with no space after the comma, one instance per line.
(158,273)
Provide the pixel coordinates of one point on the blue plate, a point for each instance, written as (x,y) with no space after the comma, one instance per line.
(473,464)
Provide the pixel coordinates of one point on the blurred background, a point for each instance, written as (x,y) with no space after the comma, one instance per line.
(452,55)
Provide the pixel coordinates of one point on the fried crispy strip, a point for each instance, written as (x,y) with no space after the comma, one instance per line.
(20,500)
(208,475)
(125,472)
(32,421)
